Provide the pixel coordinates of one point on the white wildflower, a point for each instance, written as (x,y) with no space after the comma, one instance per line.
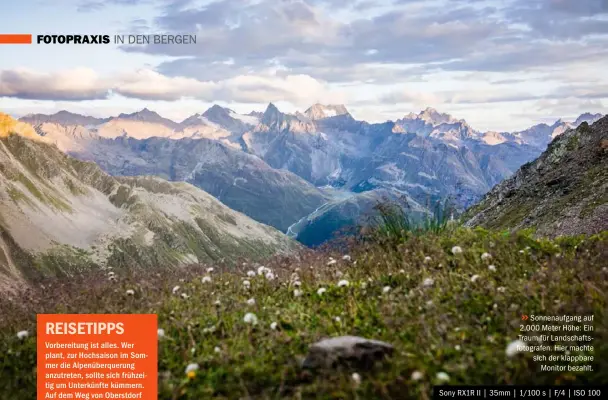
(521,252)
(417,375)
(217,303)
(456,250)
(339,274)
(364,285)
(428,282)
(209,329)
(500,289)
(274,326)
(263,270)
(175,289)
(356,378)
(343,283)
(297,283)
(161,333)
(427,259)
(217,350)
(485,256)
(442,376)
(250,318)
(22,334)
(320,291)
(210,270)
(112,278)
(474,278)
(246,283)
(346,257)
(251,302)
(515,347)
(386,289)
(457,347)
(331,262)
(250,274)
(191,368)
(206,279)
(492,268)
(185,296)
(297,293)
(270,276)
(130,292)
(337,319)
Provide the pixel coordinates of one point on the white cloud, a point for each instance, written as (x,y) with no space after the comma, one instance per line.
(146,84)
(72,84)
(150,85)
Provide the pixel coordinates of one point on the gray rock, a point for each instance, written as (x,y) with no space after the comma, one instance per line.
(346,351)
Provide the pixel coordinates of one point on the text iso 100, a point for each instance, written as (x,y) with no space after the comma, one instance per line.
(586,392)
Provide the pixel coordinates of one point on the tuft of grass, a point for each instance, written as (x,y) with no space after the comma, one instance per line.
(457,326)
(395,221)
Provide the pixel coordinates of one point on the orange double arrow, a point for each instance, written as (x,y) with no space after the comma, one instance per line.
(524,317)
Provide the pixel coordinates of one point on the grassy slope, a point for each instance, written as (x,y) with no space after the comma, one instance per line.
(456,326)
(75,216)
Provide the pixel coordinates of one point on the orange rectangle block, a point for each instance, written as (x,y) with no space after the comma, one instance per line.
(97,356)
(15,38)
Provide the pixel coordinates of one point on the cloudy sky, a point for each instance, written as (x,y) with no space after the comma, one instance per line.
(499,64)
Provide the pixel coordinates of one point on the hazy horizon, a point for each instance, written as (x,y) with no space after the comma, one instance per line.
(500,65)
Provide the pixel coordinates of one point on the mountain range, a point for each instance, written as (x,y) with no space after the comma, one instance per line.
(286,169)
(60,215)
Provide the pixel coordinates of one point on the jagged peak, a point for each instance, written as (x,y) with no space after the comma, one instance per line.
(587,117)
(271,114)
(271,108)
(431,115)
(145,112)
(320,111)
(217,109)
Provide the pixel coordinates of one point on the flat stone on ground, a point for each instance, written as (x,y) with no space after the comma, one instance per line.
(346,351)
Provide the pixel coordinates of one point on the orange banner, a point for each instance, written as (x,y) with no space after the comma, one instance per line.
(15,38)
(97,356)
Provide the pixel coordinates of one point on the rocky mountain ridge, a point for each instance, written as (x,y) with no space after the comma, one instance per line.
(562,192)
(54,207)
(424,157)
